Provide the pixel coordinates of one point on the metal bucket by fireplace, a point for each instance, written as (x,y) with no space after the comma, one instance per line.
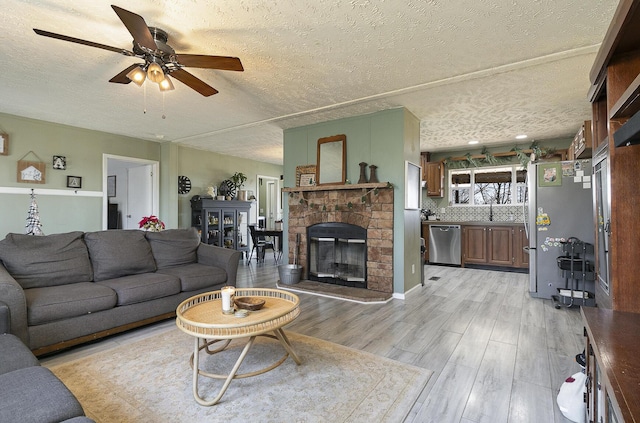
(289,273)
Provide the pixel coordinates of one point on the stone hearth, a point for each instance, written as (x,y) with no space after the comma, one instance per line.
(343,203)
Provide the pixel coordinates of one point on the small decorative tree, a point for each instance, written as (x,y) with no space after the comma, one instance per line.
(238,180)
(33,227)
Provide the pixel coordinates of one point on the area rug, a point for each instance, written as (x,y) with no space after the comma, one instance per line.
(358,295)
(151,381)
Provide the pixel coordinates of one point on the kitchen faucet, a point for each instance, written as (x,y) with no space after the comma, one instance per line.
(491,211)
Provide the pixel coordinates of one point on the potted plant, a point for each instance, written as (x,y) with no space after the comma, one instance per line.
(238,180)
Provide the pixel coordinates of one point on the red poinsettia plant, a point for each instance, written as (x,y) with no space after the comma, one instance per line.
(151,224)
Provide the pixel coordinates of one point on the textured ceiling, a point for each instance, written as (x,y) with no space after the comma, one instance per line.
(468,69)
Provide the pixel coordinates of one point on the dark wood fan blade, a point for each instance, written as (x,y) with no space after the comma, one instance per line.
(137,27)
(210,62)
(83,42)
(193,82)
(121,78)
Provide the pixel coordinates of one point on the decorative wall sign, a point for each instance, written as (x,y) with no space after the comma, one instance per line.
(59,162)
(307,179)
(305,169)
(4,144)
(31,171)
(74,181)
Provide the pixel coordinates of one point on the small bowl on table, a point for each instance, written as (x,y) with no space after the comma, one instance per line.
(249,303)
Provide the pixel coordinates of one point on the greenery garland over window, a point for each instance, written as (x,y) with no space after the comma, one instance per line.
(487,159)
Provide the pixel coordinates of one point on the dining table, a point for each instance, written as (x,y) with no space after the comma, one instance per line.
(277,233)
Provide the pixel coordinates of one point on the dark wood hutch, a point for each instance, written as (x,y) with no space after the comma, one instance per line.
(612,344)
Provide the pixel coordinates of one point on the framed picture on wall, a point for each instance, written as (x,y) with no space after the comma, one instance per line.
(550,175)
(74,181)
(111,186)
(413,189)
(4,144)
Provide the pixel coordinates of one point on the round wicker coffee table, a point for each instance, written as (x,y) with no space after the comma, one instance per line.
(201,316)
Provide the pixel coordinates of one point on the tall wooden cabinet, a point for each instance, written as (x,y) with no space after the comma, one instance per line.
(615,98)
(222,223)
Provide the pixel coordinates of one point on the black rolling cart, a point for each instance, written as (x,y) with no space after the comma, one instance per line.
(576,267)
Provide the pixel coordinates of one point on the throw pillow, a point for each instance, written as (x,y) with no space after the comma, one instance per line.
(40,261)
(174,247)
(118,253)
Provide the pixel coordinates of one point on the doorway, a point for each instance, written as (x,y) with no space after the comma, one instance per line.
(131,191)
(268,200)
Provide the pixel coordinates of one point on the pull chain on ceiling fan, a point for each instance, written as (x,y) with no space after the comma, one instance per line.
(160,60)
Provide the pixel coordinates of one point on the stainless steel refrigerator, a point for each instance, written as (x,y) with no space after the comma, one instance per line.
(559,207)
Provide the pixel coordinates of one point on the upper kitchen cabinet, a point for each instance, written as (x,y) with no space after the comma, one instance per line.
(615,97)
(433,174)
(582,143)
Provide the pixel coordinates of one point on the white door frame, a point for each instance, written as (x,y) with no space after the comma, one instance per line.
(278,202)
(155,190)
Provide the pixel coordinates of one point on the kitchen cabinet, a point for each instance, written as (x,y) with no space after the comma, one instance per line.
(582,144)
(222,223)
(474,241)
(425,235)
(613,370)
(495,245)
(500,246)
(615,98)
(433,174)
(520,241)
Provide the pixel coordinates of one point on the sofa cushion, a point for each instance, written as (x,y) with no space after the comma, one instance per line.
(37,261)
(174,247)
(15,354)
(138,288)
(118,253)
(61,302)
(35,395)
(196,276)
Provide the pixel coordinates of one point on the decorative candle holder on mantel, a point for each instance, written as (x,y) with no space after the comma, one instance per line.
(373,177)
(363,173)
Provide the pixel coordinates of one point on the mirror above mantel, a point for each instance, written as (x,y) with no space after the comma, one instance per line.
(331,161)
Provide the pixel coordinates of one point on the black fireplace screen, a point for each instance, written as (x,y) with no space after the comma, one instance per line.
(338,254)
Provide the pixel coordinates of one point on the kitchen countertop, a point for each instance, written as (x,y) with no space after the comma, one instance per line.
(472,223)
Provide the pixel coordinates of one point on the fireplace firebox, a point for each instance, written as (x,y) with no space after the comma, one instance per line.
(337,254)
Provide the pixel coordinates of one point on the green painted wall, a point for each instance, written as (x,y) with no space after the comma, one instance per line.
(84,151)
(386,139)
(206,169)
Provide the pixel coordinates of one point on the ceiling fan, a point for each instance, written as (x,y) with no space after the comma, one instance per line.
(160,60)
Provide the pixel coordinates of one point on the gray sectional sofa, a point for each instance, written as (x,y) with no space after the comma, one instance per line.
(65,289)
(30,393)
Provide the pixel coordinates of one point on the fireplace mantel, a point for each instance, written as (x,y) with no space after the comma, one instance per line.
(339,187)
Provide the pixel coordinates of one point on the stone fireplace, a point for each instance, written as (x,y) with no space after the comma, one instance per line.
(365,207)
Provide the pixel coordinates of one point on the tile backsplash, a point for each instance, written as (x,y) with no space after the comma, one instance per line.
(501,213)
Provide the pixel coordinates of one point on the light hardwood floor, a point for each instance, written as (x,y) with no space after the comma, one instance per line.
(498,355)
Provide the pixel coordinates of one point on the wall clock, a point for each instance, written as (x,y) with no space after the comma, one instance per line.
(227,188)
(184,185)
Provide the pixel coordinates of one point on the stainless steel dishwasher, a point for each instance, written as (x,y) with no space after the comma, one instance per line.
(444,244)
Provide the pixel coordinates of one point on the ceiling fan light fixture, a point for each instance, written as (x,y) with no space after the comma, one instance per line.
(137,75)
(155,73)
(166,84)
